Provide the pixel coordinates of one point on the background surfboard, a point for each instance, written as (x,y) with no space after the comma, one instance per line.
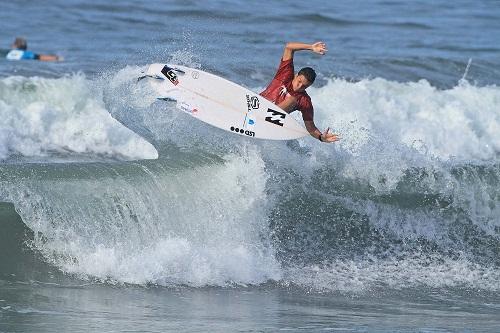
(222,103)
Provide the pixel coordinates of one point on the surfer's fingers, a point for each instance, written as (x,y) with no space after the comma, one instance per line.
(319,48)
(321,45)
(334,137)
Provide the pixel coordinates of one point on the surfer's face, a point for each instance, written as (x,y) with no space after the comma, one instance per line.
(300,83)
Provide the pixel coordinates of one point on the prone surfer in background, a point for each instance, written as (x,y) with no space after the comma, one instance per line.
(288,90)
(19,52)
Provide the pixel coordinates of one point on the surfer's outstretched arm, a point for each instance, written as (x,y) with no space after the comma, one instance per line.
(48,57)
(316,133)
(291,47)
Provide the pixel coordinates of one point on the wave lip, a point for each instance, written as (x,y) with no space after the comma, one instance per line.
(64,116)
(149,222)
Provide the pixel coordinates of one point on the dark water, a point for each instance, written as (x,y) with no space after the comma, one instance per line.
(119,214)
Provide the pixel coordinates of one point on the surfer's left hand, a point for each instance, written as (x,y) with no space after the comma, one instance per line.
(329,137)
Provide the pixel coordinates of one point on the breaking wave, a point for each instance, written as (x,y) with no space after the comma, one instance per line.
(408,199)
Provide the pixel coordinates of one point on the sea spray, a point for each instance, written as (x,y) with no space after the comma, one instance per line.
(63,116)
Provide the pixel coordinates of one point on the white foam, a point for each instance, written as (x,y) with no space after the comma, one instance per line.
(362,275)
(198,226)
(208,224)
(458,123)
(65,115)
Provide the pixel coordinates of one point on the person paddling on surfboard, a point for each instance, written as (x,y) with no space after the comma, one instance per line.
(19,52)
(288,90)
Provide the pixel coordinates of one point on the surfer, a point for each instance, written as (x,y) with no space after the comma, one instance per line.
(19,52)
(288,90)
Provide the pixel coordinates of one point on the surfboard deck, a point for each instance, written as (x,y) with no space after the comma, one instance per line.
(222,103)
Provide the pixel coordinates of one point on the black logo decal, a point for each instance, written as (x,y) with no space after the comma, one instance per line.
(252,103)
(276,117)
(170,74)
(242,131)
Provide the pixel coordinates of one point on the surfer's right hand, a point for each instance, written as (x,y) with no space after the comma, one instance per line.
(319,48)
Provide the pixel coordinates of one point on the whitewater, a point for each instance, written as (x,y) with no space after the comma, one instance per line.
(393,203)
(118,212)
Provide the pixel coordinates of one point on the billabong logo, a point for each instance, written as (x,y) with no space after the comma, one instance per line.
(275,117)
(283,91)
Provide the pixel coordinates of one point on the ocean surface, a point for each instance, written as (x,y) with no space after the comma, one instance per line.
(121,214)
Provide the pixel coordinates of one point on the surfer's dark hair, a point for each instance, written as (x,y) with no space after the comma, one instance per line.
(308,73)
(20,43)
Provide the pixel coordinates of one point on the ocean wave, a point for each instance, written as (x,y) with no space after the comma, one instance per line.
(376,275)
(64,116)
(195,224)
(407,199)
(453,124)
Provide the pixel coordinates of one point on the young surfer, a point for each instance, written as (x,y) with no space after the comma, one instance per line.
(19,52)
(288,90)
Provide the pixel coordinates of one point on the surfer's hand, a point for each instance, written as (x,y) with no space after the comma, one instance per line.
(319,48)
(329,137)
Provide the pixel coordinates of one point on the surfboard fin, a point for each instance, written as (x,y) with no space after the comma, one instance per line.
(166,99)
(157,77)
(180,71)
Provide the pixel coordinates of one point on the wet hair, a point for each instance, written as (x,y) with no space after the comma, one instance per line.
(20,43)
(308,73)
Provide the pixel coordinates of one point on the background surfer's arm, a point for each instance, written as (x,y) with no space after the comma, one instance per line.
(47,57)
(291,47)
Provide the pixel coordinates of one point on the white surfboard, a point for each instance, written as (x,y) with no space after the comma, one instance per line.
(222,103)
